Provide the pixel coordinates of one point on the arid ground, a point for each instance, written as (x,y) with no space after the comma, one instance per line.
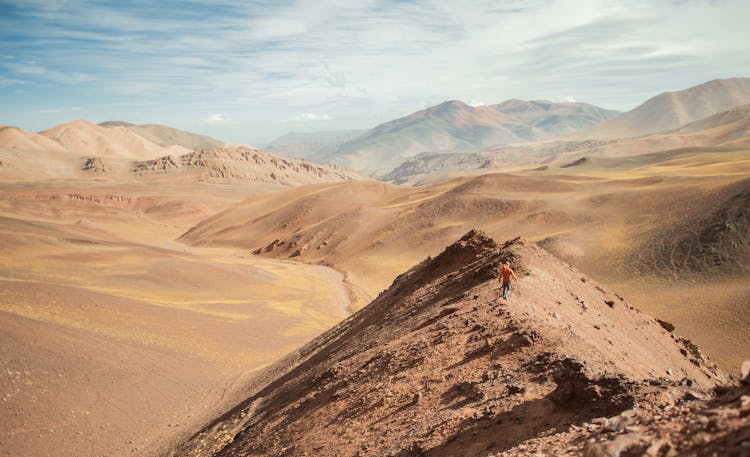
(130,316)
(114,338)
(666,230)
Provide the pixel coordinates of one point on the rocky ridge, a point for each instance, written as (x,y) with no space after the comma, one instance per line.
(440,365)
(239,162)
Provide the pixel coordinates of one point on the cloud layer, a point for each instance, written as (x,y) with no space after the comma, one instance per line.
(262,63)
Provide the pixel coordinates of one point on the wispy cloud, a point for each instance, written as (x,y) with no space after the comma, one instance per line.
(311,117)
(262,63)
(217,119)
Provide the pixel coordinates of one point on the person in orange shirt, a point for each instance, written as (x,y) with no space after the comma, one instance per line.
(506,275)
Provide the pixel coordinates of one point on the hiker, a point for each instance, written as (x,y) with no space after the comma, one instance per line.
(506,275)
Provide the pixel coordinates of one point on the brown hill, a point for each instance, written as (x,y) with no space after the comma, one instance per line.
(241,163)
(671,110)
(86,139)
(730,127)
(711,237)
(439,365)
(27,156)
(19,139)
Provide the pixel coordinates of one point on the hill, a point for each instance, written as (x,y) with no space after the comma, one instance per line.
(731,127)
(23,140)
(439,365)
(114,152)
(164,135)
(672,110)
(169,136)
(240,163)
(86,139)
(454,126)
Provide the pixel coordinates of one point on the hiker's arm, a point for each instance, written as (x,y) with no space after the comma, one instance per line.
(513,274)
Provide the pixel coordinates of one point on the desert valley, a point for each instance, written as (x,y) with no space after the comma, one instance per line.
(166,293)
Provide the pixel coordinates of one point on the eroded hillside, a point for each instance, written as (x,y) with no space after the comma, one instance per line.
(440,365)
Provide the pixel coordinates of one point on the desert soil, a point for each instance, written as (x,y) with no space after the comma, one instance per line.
(114,339)
(666,230)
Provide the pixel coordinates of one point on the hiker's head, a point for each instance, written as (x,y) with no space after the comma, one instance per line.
(506,264)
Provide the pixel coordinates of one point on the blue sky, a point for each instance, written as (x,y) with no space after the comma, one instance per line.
(248,71)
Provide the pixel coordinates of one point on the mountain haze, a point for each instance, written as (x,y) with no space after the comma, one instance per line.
(454,126)
(726,130)
(311,145)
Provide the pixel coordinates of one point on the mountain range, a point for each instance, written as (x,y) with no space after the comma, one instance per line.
(457,127)
(675,120)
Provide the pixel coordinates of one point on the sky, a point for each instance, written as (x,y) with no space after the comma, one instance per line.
(250,71)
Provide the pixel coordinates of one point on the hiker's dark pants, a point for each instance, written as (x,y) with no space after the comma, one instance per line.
(507,287)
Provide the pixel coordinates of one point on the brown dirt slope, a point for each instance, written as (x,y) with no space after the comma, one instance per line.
(711,239)
(439,365)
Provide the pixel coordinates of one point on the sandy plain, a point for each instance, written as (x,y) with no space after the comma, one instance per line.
(115,339)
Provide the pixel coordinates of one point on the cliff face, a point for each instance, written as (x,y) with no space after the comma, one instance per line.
(440,365)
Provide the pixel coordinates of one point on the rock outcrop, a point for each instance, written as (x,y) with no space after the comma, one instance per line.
(242,163)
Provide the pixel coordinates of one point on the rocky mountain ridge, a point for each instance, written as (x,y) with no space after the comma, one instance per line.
(440,365)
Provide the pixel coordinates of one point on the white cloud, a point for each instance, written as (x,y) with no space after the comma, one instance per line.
(367,62)
(217,118)
(311,117)
(564,98)
(473,102)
